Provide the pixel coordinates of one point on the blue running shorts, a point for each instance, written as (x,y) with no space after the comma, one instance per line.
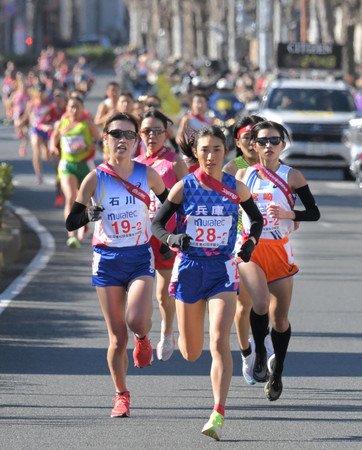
(43,134)
(114,266)
(201,278)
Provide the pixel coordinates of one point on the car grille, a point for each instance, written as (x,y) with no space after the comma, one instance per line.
(316,132)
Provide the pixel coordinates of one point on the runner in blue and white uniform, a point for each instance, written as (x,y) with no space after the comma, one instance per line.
(205,274)
(123,262)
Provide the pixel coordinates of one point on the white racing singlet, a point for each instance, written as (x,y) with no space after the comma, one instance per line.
(264,193)
(124,221)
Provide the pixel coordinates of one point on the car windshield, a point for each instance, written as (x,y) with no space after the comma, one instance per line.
(311,100)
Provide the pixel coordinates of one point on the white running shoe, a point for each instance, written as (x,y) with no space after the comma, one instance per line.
(166,346)
(248,367)
(269,345)
(248,364)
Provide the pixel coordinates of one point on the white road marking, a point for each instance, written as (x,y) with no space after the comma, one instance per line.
(38,263)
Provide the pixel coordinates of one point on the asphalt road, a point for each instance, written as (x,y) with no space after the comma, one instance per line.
(54,383)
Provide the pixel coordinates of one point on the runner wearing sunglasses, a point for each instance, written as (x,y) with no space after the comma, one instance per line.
(205,275)
(268,277)
(171,168)
(247,156)
(123,262)
(153,103)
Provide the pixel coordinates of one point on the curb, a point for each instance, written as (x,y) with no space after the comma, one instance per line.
(10,239)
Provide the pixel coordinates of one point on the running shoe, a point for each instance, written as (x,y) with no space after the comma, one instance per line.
(213,427)
(142,354)
(22,151)
(248,364)
(260,372)
(267,342)
(166,346)
(73,242)
(121,407)
(274,386)
(39,179)
(269,345)
(59,201)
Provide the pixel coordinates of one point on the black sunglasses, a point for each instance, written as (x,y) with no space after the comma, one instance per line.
(153,105)
(274,140)
(156,131)
(118,134)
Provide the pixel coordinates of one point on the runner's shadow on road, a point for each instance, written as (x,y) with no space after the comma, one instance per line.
(27,359)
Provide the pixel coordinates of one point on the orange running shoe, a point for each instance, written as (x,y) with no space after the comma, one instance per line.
(142,354)
(59,201)
(121,407)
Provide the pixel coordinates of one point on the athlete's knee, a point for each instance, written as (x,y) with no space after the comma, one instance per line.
(139,325)
(280,324)
(242,308)
(164,299)
(189,352)
(118,343)
(219,344)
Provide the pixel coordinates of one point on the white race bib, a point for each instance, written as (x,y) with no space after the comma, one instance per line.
(208,231)
(71,144)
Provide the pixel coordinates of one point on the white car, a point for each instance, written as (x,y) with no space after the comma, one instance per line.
(353,139)
(315,113)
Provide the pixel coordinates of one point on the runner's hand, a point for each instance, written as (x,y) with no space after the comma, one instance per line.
(181,241)
(166,252)
(94,213)
(246,250)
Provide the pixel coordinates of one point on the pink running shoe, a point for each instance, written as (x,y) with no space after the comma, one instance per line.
(22,151)
(121,407)
(142,354)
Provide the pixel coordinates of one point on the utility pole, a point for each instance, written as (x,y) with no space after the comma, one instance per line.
(265,35)
(303,21)
(176,29)
(231,33)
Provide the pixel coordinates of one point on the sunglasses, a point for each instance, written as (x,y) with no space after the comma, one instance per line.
(119,134)
(155,131)
(153,105)
(274,140)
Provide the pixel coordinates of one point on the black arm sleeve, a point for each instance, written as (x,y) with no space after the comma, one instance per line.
(311,212)
(162,197)
(256,219)
(158,226)
(77,217)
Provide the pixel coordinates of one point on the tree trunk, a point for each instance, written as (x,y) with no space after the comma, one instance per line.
(324,10)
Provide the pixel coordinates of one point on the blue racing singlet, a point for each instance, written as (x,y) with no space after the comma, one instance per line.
(208,217)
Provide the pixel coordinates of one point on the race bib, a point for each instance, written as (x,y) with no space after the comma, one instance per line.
(155,205)
(123,225)
(71,144)
(208,231)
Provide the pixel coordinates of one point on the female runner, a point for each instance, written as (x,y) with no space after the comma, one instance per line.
(247,157)
(206,203)
(75,134)
(171,168)
(123,269)
(268,277)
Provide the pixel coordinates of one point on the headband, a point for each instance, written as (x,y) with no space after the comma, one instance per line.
(244,130)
